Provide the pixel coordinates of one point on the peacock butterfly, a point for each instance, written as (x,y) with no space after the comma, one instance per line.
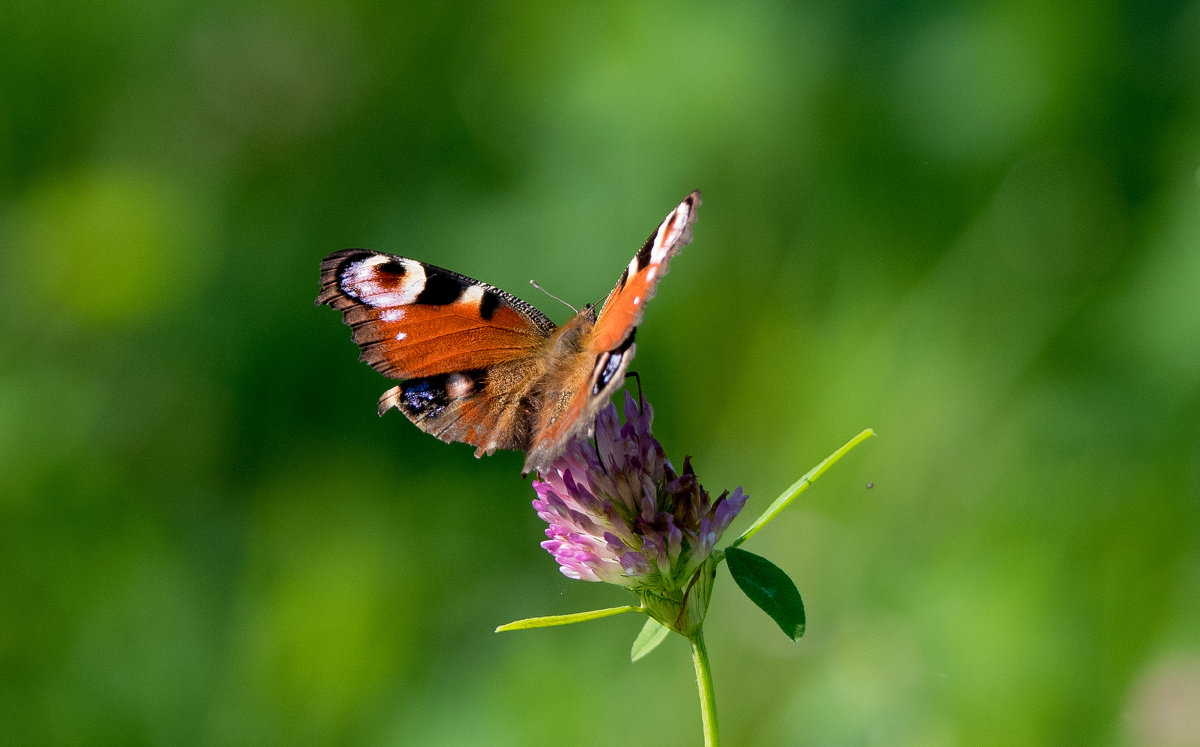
(481,366)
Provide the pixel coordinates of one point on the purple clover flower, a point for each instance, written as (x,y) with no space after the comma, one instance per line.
(634,521)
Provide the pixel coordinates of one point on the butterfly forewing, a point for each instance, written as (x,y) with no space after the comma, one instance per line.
(610,346)
(413,319)
(624,307)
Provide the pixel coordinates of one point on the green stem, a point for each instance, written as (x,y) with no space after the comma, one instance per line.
(708,697)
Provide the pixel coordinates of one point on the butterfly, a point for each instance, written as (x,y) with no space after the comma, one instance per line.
(481,366)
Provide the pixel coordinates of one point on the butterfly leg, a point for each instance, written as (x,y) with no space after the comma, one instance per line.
(599,458)
(641,402)
(634,375)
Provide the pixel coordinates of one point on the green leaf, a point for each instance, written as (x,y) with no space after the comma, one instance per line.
(653,633)
(769,588)
(576,617)
(800,486)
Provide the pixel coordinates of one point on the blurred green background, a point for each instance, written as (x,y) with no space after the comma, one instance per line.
(973,228)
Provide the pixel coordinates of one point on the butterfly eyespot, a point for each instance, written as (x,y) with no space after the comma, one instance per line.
(379,280)
(423,397)
(610,369)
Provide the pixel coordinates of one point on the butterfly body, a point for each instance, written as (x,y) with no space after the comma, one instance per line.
(481,366)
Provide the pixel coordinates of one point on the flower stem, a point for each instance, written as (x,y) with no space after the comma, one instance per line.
(708,697)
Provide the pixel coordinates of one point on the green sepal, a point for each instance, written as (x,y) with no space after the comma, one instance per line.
(800,486)
(652,634)
(576,617)
(768,587)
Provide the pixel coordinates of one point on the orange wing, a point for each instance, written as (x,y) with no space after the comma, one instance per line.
(609,347)
(622,310)
(412,319)
(468,353)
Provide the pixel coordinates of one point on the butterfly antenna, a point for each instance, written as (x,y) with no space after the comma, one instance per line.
(534,283)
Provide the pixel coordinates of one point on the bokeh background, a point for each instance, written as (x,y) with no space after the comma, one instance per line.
(975,228)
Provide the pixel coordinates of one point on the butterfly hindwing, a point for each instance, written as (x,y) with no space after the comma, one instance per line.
(468,406)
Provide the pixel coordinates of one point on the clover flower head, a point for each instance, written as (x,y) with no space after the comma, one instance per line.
(618,512)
